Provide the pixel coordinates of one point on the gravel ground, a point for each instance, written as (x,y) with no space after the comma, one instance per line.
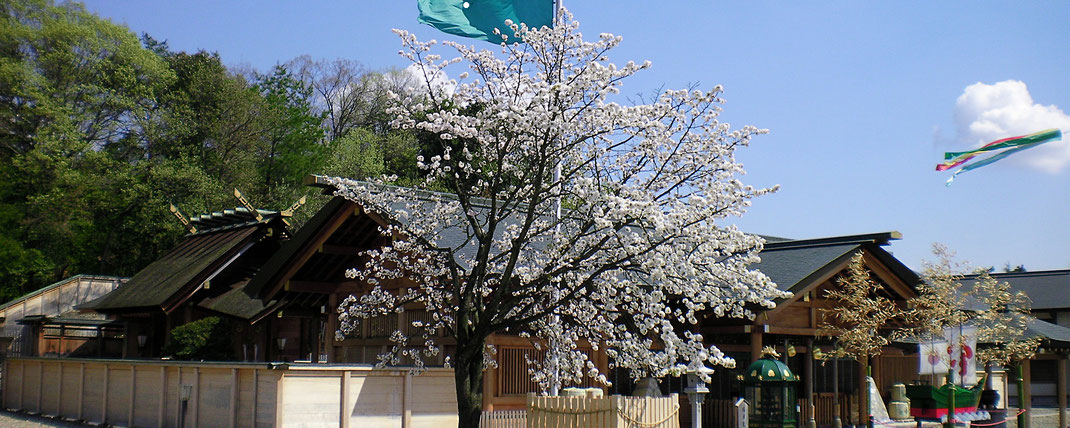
(22,420)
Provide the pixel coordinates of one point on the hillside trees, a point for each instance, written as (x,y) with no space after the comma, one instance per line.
(566,217)
(99,132)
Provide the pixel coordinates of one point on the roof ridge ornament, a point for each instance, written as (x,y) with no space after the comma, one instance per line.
(245,203)
(181,218)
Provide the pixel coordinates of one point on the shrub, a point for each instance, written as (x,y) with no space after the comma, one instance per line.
(204,339)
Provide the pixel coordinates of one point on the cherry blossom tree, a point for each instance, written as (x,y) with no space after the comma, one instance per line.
(567,217)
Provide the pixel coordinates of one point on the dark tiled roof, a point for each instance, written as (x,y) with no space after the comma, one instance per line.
(235,303)
(789,267)
(1047,289)
(192,260)
(794,264)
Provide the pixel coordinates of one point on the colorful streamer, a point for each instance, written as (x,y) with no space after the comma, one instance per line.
(1012,145)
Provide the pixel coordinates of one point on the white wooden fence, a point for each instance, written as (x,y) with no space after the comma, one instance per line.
(155,393)
(603,412)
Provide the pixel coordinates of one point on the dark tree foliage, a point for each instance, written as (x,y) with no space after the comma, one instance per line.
(207,339)
(100,130)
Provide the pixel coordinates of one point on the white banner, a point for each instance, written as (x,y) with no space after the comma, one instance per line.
(932,357)
(962,354)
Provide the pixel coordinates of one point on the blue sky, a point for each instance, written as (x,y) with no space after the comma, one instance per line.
(861,98)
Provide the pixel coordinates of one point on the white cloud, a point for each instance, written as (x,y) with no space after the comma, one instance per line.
(984,113)
(412,78)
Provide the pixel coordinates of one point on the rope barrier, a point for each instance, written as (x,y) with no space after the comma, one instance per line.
(626,417)
(975,424)
(568,412)
(642,424)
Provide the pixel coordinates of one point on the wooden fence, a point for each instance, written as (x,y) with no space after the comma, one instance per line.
(154,393)
(597,412)
(722,413)
(504,419)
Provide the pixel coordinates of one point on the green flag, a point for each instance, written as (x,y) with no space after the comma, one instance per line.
(478,18)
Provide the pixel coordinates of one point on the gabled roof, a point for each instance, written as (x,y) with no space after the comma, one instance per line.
(795,265)
(167,281)
(1049,289)
(276,266)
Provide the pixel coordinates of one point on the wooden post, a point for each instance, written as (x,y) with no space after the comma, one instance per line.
(163,393)
(407,401)
(863,391)
(59,389)
(133,390)
(104,398)
(40,383)
(196,396)
(279,390)
(808,371)
(233,397)
(756,342)
(22,381)
(1027,394)
(344,422)
(81,390)
(1060,388)
(4,383)
(256,393)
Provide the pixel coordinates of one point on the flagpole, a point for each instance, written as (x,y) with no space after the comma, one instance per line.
(555,362)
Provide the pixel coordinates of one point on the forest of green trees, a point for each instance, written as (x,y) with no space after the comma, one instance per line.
(101,129)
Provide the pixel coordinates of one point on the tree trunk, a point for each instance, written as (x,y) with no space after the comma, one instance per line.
(468,377)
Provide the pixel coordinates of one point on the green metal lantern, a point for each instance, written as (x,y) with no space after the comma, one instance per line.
(769,386)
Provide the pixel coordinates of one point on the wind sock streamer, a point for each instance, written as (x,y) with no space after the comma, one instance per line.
(1008,145)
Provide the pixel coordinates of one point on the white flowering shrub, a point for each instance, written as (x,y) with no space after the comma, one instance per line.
(569,218)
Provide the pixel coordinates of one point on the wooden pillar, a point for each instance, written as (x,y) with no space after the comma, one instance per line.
(1060,389)
(233,398)
(406,421)
(490,383)
(332,326)
(163,393)
(863,389)
(344,422)
(133,393)
(756,342)
(1027,393)
(808,373)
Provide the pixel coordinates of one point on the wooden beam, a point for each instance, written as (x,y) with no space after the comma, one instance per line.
(340,250)
(727,329)
(318,287)
(311,248)
(797,331)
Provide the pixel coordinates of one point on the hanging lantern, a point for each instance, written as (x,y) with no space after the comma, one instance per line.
(769,386)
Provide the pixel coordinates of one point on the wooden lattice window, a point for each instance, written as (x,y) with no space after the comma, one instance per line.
(513,376)
(382,325)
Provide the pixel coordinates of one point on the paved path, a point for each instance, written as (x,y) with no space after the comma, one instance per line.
(21,420)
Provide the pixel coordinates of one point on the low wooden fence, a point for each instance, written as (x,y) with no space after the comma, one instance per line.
(504,419)
(597,412)
(156,393)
